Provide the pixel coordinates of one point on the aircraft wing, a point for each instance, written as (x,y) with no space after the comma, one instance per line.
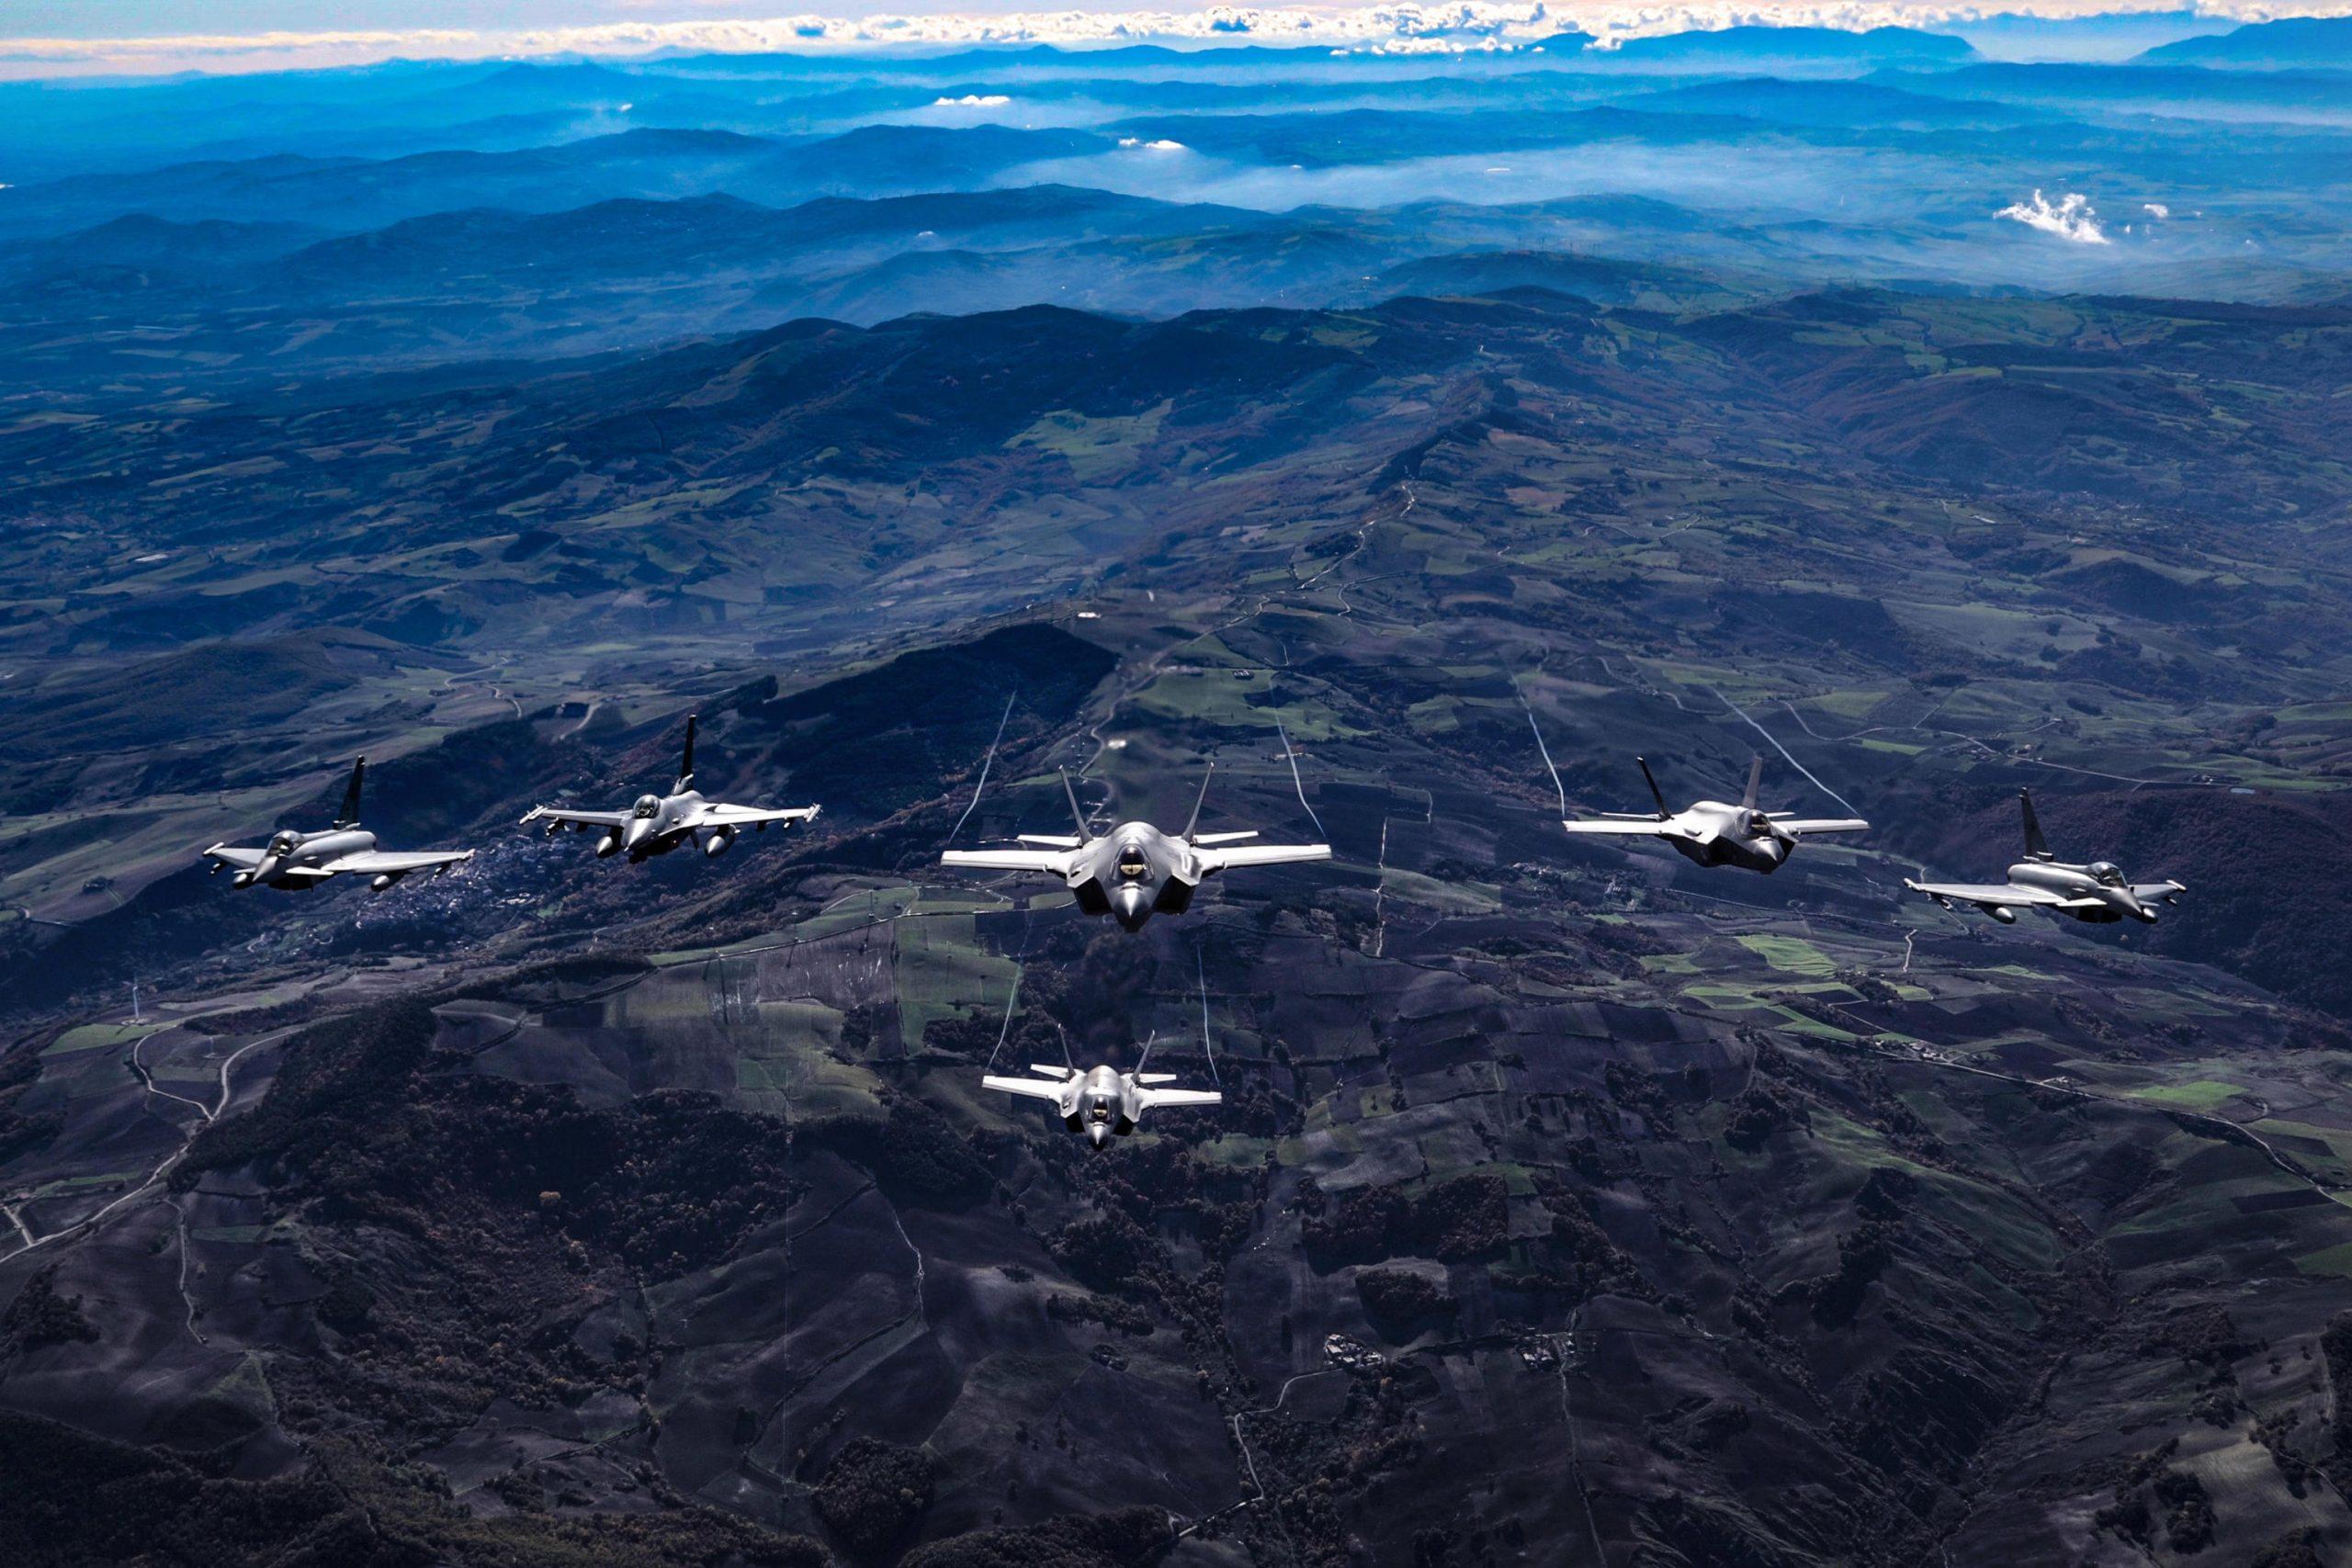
(720,815)
(2144,891)
(375,863)
(236,859)
(1801,826)
(1036,1088)
(1057,862)
(1988,893)
(1630,828)
(574,819)
(1259,854)
(1152,1098)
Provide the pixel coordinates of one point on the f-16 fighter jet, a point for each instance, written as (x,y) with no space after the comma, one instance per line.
(1104,1102)
(1134,871)
(657,824)
(1711,833)
(292,861)
(2098,892)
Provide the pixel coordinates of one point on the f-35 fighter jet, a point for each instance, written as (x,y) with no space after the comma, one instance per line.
(1103,1103)
(2098,892)
(1134,871)
(657,824)
(1711,833)
(292,861)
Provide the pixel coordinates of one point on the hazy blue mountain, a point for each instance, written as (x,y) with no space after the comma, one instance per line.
(1759,48)
(1861,105)
(2288,44)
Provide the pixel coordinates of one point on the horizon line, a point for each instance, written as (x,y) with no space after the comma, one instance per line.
(1460,26)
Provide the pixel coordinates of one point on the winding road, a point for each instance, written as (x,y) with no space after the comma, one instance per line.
(206,1115)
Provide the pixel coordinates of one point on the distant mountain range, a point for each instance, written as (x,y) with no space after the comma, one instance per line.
(1747,47)
(2290,43)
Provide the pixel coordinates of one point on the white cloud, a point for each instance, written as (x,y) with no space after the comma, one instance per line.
(2071,218)
(1397,26)
(1162,145)
(972,101)
(2156,210)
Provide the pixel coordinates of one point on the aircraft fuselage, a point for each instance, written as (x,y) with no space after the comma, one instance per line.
(1101,1106)
(1713,833)
(2105,884)
(1135,872)
(289,853)
(654,827)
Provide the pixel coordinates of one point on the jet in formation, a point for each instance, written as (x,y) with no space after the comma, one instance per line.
(1713,833)
(2098,892)
(1104,1102)
(292,861)
(1134,871)
(657,824)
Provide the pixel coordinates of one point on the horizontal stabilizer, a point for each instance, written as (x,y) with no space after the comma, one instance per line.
(1801,826)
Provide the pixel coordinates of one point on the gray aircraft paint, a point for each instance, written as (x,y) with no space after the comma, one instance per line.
(1710,832)
(2096,892)
(1102,1102)
(292,861)
(656,824)
(1134,871)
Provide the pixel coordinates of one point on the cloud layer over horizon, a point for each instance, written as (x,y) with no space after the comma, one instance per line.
(1460,24)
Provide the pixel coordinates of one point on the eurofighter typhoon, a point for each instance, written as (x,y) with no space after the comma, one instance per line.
(293,860)
(1713,833)
(2098,892)
(656,824)
(1134,871)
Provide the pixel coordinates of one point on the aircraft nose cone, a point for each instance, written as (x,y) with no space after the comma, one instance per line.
(636,835)
(263,872)
(1098,1134)
(1131,907)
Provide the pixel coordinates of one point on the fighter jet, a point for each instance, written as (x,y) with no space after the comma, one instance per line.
(2098,892)
(1104,1102)
(657,824)
(1134,871)
(1711,833)
(292,861)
